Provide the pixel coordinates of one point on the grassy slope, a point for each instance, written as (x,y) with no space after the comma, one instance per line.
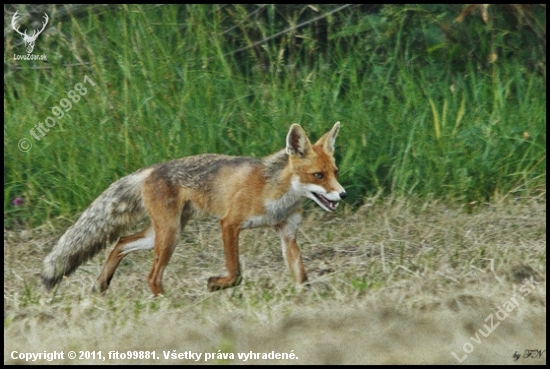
(392,283)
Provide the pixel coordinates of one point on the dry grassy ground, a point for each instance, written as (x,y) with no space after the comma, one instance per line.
(394,282)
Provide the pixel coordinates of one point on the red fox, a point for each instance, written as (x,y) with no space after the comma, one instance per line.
(244,192)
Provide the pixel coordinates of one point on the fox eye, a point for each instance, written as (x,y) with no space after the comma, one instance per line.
(318,175)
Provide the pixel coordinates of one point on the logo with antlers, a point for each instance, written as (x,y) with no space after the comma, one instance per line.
(29,40)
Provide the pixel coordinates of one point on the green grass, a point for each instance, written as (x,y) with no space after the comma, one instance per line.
(442,151)
(418,117)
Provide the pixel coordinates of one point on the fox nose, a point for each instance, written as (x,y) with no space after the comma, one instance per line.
(343,195)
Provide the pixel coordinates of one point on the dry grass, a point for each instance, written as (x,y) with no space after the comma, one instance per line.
(395,282)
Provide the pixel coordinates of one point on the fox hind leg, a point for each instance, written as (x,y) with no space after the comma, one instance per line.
(143,240)
(168,222)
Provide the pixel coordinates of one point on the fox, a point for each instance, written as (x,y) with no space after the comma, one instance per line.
(244,192)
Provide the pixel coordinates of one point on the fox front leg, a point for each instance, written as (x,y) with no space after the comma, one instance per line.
(230,235)
(287,232)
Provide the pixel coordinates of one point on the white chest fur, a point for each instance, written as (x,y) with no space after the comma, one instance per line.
(275,211)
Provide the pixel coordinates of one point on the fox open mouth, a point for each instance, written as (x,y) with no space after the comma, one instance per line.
(328,204)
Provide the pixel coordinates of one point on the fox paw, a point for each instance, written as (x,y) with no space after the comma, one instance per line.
(220,283)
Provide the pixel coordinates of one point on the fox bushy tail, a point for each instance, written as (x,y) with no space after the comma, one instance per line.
(118,207)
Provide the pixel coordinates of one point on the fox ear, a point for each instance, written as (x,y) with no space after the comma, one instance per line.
(328,139)
(297,143)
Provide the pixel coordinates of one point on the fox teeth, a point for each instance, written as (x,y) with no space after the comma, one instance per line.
(331,205)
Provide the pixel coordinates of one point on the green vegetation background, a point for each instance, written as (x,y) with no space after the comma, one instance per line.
(435,101)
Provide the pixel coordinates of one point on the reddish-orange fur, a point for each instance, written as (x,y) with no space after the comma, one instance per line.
(243,192)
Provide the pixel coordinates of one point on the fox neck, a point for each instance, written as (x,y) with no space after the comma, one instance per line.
(281,199)
(282,184)
(288,200)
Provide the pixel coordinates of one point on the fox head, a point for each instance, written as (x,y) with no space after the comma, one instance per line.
(315,174)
